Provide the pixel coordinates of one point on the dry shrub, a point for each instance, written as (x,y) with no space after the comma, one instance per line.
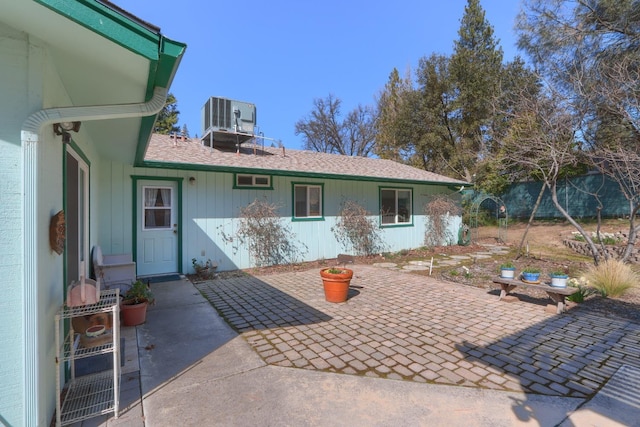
(357,230)
(612,278)
(439,211)
(269,240)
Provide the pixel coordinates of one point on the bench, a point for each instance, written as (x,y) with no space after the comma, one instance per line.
(556,294)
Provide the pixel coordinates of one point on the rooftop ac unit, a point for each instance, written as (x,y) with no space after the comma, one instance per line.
(227,115)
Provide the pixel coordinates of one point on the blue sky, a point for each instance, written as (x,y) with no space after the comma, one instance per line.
(282,54)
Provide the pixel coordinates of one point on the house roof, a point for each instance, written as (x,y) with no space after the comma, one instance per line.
(189,153)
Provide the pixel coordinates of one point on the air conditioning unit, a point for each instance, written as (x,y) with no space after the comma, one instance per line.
(227,115)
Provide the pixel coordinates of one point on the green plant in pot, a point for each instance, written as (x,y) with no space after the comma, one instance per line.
(531,274)
(559,279)
(507,270)
(336,283)
(135,302)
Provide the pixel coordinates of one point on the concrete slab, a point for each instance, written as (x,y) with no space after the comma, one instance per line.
(616,404)
(286,396)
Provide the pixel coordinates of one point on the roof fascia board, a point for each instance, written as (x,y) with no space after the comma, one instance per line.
(315,175)
(108,23)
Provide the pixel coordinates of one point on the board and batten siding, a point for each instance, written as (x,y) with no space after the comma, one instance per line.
(211,205)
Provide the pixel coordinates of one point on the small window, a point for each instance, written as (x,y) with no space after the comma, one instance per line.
(395,206)
(307,201)
(250,181)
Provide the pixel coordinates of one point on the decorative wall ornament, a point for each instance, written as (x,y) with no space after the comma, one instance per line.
(57,232)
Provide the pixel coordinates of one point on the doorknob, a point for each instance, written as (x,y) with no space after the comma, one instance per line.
(175,228)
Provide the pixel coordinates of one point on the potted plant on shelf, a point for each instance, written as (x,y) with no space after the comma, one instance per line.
(559,279)
(507,270)
(531,275)
(134,304)
(336,283)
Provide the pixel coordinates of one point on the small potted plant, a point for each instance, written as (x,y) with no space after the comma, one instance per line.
(559,279)
(336,283)
(507,270)
(531,275)
(134,304)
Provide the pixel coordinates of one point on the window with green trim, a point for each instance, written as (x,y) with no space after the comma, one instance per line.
(307,201)
(251,181)
(395,206)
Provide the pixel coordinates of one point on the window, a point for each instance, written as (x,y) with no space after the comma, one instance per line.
(244,180)
(157,208)
(307,201)
(395,206)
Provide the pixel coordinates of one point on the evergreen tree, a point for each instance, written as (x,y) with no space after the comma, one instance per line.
(475,68)
(392,102)
(167,121)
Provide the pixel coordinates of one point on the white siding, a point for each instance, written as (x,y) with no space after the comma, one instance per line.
(211,205)
(13,85)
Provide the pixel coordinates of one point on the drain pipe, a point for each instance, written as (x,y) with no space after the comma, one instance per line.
(30,158)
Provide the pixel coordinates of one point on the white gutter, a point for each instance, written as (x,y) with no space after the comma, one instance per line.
(30,135)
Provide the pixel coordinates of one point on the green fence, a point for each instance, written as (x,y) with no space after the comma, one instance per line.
(576,196)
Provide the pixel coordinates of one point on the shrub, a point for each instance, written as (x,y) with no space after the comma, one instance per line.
(439,213)
(530,269)
(507,265)
(269,240)
(583,289)
(356,229)
(604,238)
(612,278)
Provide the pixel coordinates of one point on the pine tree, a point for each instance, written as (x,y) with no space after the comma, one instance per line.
(167,121)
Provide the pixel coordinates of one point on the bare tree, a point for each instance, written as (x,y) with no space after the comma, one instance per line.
(324,131)
(588,50)
(541,142)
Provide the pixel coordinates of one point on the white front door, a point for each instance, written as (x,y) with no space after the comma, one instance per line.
(157,227)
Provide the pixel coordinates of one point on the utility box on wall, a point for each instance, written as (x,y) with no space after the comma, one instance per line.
(226,121)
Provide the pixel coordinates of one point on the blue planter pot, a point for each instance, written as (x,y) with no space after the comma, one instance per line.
(530,277)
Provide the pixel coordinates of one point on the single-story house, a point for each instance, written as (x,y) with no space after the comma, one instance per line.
(82,82)
(211,184)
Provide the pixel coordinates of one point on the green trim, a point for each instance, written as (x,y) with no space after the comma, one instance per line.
(292,174)
(79,152)
(134,212)
(399,224)
(132,34)
(293,201)
(252,187)
(108,23)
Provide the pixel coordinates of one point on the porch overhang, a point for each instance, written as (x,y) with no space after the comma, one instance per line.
(103,56)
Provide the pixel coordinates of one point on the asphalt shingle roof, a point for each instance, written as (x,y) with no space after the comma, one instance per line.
(267,160)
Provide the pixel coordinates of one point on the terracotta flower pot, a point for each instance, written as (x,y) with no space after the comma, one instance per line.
(133,314)
(336,285)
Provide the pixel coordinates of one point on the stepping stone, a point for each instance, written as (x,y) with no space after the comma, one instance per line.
(385,264)
(480,256)
(420,262)
(448,262)
(415,267)
(460,257)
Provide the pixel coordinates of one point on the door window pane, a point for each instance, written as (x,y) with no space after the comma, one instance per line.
(157,208)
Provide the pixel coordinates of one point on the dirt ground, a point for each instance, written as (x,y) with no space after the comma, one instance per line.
(543,247)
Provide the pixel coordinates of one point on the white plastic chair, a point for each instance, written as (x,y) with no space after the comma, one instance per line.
(114,271)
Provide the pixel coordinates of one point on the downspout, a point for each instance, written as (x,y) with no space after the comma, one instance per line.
(29,136)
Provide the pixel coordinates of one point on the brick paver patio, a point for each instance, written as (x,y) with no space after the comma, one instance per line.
(405,326)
